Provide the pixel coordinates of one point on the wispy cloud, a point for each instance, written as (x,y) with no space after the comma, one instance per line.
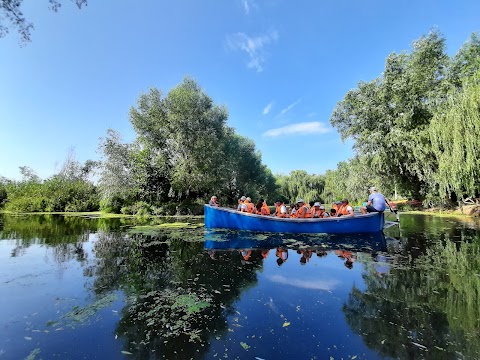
(267,108)
(304,128)
(249,5)
(327,285)
(289,107)
(253,46)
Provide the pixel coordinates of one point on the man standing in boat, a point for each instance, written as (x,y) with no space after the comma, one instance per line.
(376,202)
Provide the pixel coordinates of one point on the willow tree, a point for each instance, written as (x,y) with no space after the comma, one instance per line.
(388,117)
(455,137)
(300,184)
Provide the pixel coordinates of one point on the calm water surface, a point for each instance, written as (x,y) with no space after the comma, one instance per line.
(86,288)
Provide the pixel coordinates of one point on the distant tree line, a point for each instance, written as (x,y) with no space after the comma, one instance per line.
(70,190)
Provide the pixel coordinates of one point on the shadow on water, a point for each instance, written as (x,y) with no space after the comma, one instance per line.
(186,292)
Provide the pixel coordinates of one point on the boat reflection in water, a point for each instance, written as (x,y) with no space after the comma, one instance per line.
(257,246)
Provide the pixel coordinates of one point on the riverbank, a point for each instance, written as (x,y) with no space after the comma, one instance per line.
(97,214)
(470,211)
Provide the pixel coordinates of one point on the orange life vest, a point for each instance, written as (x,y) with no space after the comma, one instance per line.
(250,206)
(265,209)
(316,213)
(302,212)
(343,209)
(279,211)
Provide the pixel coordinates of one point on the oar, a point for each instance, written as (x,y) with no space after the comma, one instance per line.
(395,211)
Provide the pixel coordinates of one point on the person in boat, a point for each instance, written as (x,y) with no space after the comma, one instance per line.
(336,205)
(213,201)
(241,203)
(309,209)
(264,209)
(345,209)
(249,207)
(302,210)
(318,211)
(333,212)
(258,206)
(280,209)
(293,209)
(376,202)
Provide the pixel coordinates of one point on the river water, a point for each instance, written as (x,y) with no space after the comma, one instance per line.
(89,288)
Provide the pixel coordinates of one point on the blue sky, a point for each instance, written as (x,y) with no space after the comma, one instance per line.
(279,68)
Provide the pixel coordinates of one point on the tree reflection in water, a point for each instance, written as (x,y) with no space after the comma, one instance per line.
(429,304)
(177,296)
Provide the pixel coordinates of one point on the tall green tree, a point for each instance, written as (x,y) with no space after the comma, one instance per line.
(388,118)
(183,151)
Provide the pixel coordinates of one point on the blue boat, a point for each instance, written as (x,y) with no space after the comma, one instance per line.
(223,218)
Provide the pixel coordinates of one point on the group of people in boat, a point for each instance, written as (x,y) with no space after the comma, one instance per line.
(301,210)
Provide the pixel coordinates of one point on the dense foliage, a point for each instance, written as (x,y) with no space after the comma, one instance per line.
(300,184)
(70,190)
(184,151)
(416,127)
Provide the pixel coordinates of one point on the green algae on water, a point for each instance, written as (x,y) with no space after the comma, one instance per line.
(80,315)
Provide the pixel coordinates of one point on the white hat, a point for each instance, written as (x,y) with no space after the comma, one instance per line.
(322,207)
(373,188)
(316,204)
(249,199)
(300,201)
(243,198)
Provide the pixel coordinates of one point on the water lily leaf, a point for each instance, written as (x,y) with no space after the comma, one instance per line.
(245,346)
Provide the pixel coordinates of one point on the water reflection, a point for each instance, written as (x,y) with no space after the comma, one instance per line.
(183,292)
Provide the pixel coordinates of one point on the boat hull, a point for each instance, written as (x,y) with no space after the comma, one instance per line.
(222,218)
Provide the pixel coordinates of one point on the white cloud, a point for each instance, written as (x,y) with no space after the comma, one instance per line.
(327,285)
(267,108)
(289,107)
(248,5)
(253,46)
(305,128)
